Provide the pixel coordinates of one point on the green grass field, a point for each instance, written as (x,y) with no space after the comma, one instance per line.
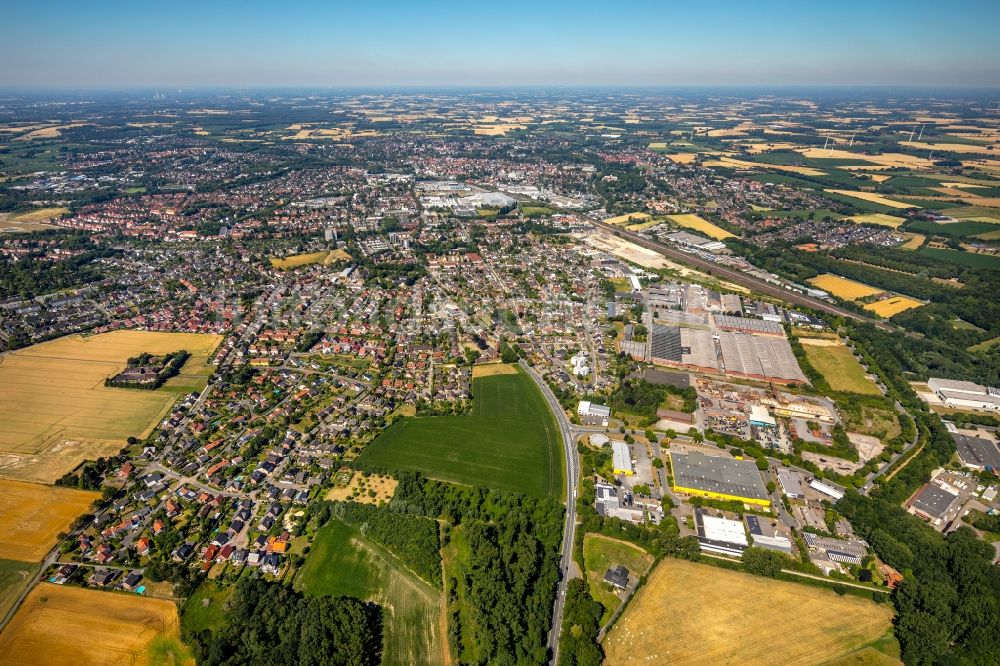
(342,562)
(510,441)
(954,229)
(14,577)
(205,609)
(599,554)
(964,258)
(840,369)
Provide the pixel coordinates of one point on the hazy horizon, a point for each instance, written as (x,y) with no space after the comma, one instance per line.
(440,44)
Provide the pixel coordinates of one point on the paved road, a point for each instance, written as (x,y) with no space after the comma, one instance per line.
(569,529)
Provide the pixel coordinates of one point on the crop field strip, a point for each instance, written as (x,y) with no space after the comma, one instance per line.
(60,625)
(509,442)
(32,515)
(55,410)
(715,616)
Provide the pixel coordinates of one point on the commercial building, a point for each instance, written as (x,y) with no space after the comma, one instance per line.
(793,485)
(748,325)
(965,395)
(593,413)
(761,357)
(767,535)
(935,504)
(621,458)
(827,488)
(836,550)
(609,503)
(720,535)
(977,453)
(760,418)
(718,477)
(691,348)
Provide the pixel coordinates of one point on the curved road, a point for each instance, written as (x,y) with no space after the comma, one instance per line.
(569,529)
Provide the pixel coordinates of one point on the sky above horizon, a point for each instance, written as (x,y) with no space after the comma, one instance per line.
(434,43)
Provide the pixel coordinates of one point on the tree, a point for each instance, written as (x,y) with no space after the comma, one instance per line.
(761,562)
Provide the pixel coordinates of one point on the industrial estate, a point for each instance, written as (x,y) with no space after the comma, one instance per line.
(505,377)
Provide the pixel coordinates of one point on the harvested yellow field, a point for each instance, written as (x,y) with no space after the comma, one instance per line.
(71,625)
(493,369)
(893,306)
(628,218)
(48,132)
(878,218)
(498,129)
(704,226)
(950,147)
(913,241)
(757,148)
(715,617)
(682,158)
(842,287)
(39,215)
(730,162)
(31,516)
(885,160)
(56,412)
(873,198)
(298,260)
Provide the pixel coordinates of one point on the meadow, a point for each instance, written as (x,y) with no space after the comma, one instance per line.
(32,515)
(704,226)
(510,441)
(307,259)
(14,577)
(601,553)
(837,364)
(689,613)
(62,625)
(56,412)
(342,562)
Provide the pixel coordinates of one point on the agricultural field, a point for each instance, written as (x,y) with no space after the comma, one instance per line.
(837,364)
(62,625)
(510,441)
(913,241)
(893,306)
(704,226)
(14,578)
(35,220)
(56,412)
(299,260)
(976,260)
(628,218)
(842,287)
(32,515)
(601,553)
(342,562)
(873,198)
(878,218)
(493,369)
(715,617)
(730,163)
(960,229)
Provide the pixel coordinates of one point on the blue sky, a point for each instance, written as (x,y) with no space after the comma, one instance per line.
(755,42)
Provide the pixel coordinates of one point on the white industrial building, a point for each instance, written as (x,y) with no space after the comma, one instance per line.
(965,395)
(621,458)
(826,489)
(720,535)
(593,413)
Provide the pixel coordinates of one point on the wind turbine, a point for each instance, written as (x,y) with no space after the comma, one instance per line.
(921,133)
(851,144)
(912,131)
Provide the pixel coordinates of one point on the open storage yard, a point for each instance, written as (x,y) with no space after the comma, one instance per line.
(689,613)
(56,412)
(62,625)
(510,441)
(32,515)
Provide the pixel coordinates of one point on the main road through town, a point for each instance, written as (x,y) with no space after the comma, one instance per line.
(568,434)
